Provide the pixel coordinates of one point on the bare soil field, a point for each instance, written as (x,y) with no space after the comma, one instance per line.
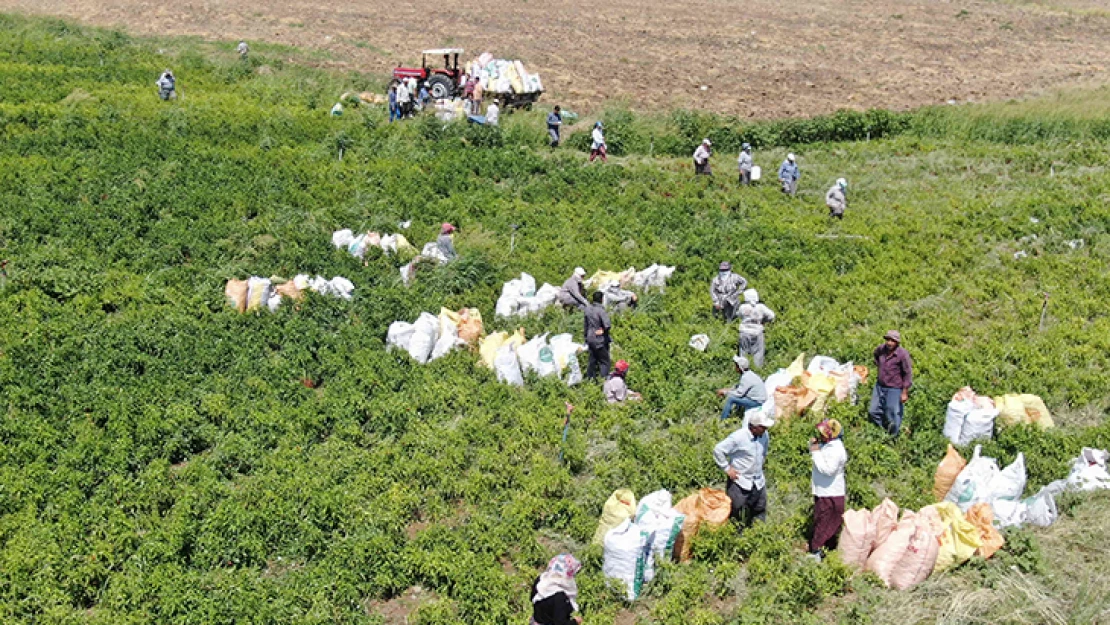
(759,58)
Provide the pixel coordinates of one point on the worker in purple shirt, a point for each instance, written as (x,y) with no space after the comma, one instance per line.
(892,388)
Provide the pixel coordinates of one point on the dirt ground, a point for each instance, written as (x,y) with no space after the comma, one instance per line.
(758,58)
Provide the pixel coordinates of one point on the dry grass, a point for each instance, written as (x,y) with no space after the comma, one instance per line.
(1074,588)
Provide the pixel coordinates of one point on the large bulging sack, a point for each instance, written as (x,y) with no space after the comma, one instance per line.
(546,366)
(979,423)
(259,291)
(620,506)
(709,506)
(857,537)
(1009,483)
(236,292)
(960,539)
(470,325)
(448,338)
(424,336)
(1088,471)
(982,517)
(507,367)
(884,518)
(665,526)
(962,403)
(947,471)
(973,484)
(529,353)
(1041,509)
(1014,409)
(884,559)
(628,557)
(920,557)
(399,335)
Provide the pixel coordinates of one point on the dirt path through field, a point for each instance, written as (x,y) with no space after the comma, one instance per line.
(758,58)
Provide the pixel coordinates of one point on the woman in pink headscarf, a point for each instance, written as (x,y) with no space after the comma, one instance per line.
(555,593)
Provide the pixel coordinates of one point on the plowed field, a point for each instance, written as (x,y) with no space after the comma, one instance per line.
(759,58)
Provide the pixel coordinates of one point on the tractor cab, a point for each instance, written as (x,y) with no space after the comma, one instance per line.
(442,82)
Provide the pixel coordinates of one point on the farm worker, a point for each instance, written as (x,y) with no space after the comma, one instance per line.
(404,99)
(745,163)
(892,387)
(394,106)
(597,148)
(468,96)
(789,174)
(476,98)
(753,316)
(616,298)
(597,328)
(424,97)
(615,389)
(741,457)
(701,158)
(573,292)
(835,199)
(748,393)
(444,243)
(829,457)
(243,49)
(167,86)
(725,289)
(555,593)
(493,112)
(554,121)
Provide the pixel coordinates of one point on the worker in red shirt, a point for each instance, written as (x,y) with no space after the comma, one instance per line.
(892,386)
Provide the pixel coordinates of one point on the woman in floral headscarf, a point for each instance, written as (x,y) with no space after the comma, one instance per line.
(555,593)
(829,458)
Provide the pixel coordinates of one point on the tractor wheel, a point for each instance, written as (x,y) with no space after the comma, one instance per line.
(441,87)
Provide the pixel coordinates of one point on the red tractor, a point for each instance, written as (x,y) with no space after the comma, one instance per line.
(442,82)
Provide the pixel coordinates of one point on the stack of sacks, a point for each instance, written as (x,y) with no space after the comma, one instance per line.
(903,553)
(503,76)
(1088,472)
(826,378)
(427,339)
(519,297)
(981,481)
(1014,409)
(653,277)
(707,506)
(256,292)
(511,356)
(969,417)
(656,516)
(357,245)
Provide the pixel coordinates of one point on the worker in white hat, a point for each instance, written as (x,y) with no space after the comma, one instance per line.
(789,174)
(725,290)
(744,161)
(753,316)
(701,158)
(573,292)
(748,393)
(837,199)
(741,457)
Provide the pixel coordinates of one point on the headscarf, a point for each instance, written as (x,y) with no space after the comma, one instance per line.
(559,577)
(830,430)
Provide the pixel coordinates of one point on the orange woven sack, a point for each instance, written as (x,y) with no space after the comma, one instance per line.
(981,515)
(947,471)
(709,506)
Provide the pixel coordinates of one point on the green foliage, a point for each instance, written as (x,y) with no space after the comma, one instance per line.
(166,460)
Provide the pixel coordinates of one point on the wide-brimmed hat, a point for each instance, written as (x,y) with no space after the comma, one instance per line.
(741,362)
(725,266)
(893,335)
